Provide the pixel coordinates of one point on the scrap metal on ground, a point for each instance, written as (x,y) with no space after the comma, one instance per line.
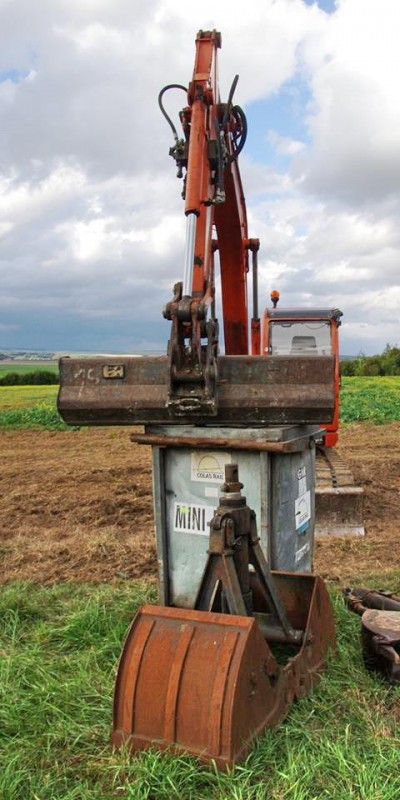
(380,632)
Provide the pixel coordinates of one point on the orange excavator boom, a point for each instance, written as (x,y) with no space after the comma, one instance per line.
(214,136)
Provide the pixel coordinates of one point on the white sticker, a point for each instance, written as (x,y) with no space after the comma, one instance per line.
(189,518)
(210,491)
(302,511)
(302,487)
(302,552)
(302,480)
(209,467)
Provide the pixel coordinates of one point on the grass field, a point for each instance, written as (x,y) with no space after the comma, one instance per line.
(16,397)
(30,407)
(59,648)
(374,400)
(23,369)
(59,651)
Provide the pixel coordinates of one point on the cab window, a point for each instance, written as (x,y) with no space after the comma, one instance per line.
(289,338)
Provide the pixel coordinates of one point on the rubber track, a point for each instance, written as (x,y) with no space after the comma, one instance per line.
(331,470)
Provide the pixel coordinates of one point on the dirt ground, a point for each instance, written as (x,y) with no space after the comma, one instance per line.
(77,506)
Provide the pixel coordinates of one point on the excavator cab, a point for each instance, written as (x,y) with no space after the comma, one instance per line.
(306,332)
(309,332)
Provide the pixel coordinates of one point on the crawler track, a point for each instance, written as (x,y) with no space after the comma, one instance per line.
(338,501)
(331,470)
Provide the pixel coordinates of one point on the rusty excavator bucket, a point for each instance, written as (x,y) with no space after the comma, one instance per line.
(207,681)
(252,390)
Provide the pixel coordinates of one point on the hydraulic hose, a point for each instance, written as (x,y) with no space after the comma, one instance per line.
(229,103)
(240,117)
(162,109)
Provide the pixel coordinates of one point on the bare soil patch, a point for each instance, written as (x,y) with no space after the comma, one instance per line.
(78,506)
(373,453)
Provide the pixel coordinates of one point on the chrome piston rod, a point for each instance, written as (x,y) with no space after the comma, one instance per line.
(191,221)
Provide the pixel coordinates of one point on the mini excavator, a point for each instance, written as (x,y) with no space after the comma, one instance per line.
(234,641)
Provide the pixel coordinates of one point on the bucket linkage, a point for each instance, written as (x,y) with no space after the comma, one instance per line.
(208,680)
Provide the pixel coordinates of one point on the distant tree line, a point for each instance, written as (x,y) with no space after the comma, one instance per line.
(388,363)
(37,377)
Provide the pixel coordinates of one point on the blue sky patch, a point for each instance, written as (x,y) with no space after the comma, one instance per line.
(329,6)
(283,112)
(13,75)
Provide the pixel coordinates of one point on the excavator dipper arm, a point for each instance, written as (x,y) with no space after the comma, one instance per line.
(214,134)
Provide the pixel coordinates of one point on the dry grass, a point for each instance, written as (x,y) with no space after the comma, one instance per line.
(77,505)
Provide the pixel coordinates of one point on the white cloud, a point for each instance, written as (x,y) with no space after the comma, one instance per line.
(283,145)
(91,219)
(355,118)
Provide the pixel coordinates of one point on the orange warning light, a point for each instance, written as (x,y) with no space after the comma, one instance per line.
(275,297)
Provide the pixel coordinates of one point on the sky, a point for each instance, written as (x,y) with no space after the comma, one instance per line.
(91,215)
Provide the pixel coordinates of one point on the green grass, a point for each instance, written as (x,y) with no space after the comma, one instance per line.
(59,648)
(30,407)
(17,397)
(24,369)
(374,400)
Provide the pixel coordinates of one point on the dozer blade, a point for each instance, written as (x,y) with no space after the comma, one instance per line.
(207,683)
(338,501)
(128,390)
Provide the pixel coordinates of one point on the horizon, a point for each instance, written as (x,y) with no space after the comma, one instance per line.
(65,352)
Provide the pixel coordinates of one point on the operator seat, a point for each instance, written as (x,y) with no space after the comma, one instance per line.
(304,344)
